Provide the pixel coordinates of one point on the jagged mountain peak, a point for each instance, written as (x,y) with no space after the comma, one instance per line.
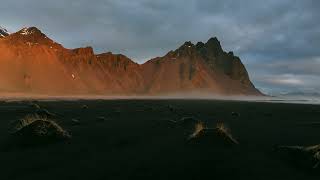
(187,49)
(199,45)
(31,37)
(30,31)
(213,40)
(186,45)
(3,32)
(212,46)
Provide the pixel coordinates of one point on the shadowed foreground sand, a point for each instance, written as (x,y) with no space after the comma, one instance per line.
(126,139)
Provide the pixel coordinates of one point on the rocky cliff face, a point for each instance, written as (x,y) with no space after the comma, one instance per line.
(30,62)
(203,67)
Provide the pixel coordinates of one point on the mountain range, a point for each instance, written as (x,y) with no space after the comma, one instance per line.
(31,62)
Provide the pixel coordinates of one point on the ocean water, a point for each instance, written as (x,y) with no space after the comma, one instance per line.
(292,99)
(271,99)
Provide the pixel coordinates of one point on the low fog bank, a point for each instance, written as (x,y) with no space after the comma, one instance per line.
(8,97)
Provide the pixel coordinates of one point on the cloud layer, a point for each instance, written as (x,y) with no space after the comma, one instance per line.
(278,41)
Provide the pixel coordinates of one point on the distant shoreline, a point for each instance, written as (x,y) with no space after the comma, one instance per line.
(262,99)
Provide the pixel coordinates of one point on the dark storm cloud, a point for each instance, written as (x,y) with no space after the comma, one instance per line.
(277,40)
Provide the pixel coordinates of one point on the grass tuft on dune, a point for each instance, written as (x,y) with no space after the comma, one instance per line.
(39,128)
(198,128)
(223,130)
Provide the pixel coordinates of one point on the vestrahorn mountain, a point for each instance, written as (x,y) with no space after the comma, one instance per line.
(30,62)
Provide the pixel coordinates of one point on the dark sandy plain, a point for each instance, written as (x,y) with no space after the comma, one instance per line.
(138,139)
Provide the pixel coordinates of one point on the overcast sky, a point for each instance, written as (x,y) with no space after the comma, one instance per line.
(278,41)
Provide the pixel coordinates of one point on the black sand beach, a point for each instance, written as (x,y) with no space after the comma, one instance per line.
(127,139)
